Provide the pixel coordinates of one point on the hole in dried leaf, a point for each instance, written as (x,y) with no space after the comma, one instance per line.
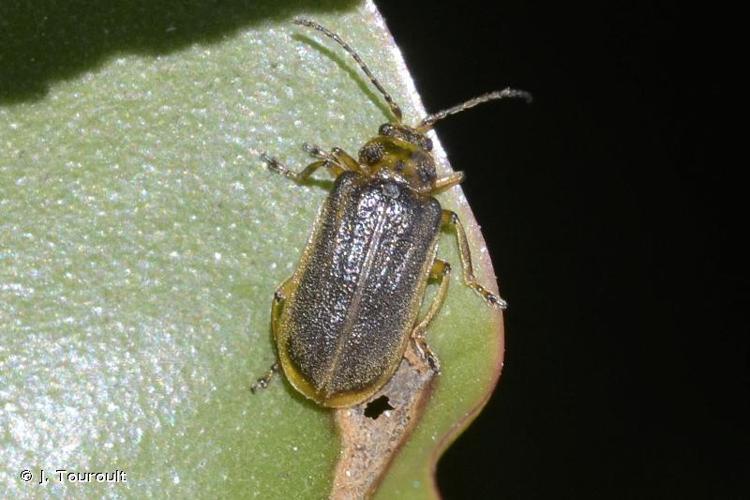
(376,407)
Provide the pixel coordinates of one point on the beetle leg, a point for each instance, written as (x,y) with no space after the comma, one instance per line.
(279,297)
(316,151)
(447,182)
(299,177)
(351,164)
(451,219)
(441,271)
(276,306)
(263,381)
(338,157)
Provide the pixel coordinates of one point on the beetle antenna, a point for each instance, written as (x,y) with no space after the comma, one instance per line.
(330,34)
(506,93)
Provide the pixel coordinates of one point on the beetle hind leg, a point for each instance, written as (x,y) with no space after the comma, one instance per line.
(451,219)
(440,271)
(279,297)
(263,381)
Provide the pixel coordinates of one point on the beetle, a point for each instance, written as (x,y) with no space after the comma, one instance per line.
(341,323)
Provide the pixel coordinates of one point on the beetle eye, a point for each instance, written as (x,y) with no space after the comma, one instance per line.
(371,153)
(386,129)
(427,144)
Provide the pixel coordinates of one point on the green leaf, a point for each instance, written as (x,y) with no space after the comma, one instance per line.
(141,241)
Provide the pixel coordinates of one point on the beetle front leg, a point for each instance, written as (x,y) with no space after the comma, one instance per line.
(447,182)
(279,297)
(440,271)
(451,219)
(298,177)
(338,157)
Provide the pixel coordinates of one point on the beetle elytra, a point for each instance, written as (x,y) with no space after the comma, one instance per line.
(342,321)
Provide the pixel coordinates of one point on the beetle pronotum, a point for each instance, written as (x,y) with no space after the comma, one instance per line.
(342,321)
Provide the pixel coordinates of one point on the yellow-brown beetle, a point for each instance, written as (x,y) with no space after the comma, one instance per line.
(342,321)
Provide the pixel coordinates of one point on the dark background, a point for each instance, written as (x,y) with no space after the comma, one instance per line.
(613,218)
(611,207)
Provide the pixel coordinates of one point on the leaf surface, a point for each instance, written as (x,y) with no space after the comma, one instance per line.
(141,241)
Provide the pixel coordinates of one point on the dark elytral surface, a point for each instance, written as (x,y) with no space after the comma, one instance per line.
(372,242)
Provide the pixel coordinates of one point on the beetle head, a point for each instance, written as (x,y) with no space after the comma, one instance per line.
(400,149)
(403,151)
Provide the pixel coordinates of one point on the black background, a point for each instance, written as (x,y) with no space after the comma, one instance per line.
(610,208)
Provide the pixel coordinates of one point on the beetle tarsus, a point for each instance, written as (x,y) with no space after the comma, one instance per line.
(425,352)
(492,299)
(433,362)
(263,381)
(497,301)
(276,166)
(315,151)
